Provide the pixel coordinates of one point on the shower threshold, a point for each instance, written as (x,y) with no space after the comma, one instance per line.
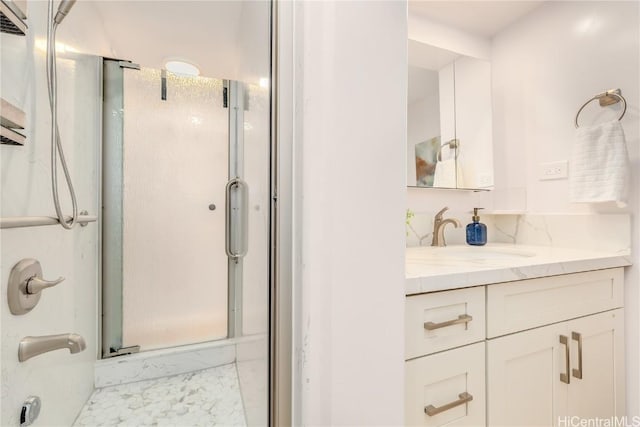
(151,364)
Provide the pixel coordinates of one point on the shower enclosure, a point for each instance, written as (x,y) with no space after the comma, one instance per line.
(185,230)
(186,210)
(170,275)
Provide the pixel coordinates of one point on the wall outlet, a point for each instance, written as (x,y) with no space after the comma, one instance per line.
(554,170)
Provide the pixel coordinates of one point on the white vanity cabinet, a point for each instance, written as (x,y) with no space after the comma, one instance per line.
(552,348)
(548,355)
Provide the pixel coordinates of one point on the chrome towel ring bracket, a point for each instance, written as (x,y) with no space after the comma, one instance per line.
(453,144)
(610,97)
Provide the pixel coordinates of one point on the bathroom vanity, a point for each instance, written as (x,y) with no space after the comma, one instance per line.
(513,335)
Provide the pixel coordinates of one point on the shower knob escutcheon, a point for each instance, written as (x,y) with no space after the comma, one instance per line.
(25,286)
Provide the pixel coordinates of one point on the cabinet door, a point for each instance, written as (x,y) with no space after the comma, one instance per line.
(523,377)
(446,389)
(597,385)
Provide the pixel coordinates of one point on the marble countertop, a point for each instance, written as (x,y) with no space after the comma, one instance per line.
(431,269)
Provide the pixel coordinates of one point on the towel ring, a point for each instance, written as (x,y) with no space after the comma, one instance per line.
(609,97)
(454,144)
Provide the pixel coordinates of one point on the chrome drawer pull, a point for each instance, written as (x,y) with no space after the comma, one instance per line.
(566,377)
(463,318)
(464,398)
(578,372)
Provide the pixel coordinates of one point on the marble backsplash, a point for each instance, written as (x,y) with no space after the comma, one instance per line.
(598,232)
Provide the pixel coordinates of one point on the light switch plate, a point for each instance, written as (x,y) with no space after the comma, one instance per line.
(553,170)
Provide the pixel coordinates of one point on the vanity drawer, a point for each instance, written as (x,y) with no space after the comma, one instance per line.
(439,321)
(447,388)
(526,304)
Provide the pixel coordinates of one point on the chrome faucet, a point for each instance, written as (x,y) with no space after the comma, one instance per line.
(33,346)
(438,227)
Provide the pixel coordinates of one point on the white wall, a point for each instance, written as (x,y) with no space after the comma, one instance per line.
(433,33)
(62,380)
(544,67)
(353,58)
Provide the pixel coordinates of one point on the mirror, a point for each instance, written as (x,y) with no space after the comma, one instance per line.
(449,121)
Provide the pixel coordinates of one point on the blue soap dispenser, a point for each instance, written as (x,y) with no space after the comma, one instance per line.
(476,231)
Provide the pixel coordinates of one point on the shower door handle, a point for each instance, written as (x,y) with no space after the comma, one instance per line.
(236,224)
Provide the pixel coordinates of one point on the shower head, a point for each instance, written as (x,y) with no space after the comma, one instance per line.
(63,9)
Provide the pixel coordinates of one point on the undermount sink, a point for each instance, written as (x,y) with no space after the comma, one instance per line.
(469,253)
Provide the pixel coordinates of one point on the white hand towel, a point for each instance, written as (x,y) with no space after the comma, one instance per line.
(447,175)
(599,165)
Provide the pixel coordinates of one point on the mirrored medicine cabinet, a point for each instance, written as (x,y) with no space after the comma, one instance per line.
(449,120)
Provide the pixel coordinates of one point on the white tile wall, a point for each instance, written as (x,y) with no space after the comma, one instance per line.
(62,380)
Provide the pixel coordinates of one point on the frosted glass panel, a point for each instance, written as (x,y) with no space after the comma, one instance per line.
(175,166)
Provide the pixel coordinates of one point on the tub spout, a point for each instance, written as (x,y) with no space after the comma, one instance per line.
(33,346)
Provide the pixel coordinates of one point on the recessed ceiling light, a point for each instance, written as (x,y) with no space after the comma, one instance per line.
(182,68)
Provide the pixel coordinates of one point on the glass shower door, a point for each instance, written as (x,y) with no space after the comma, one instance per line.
(175,169)
(176,209)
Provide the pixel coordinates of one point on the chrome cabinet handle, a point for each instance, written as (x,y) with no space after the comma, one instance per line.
(463,398)
(565,378)
(37,284)
(236,237)
(578,372)
(463,318)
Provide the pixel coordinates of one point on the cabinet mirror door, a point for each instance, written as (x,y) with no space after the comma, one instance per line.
(449,122)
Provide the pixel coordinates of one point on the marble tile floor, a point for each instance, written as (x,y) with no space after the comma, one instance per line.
(210,397)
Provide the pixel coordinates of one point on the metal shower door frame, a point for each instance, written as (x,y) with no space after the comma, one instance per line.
(236,226)
(285,382)
(111,179)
